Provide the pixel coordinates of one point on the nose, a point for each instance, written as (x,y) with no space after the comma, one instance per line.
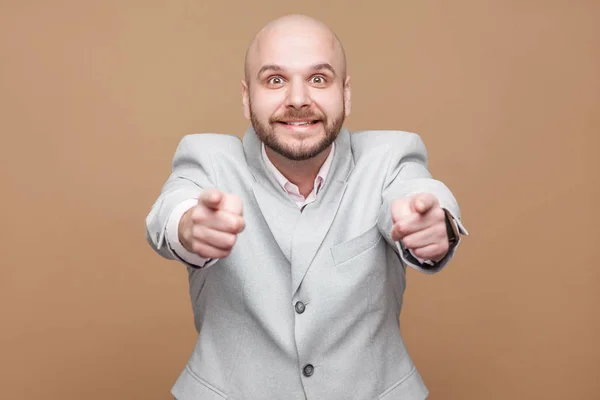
(298,96)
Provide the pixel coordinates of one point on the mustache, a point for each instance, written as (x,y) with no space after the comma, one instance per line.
(297,114)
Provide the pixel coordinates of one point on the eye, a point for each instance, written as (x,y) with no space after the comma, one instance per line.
(275,80)
(318,80)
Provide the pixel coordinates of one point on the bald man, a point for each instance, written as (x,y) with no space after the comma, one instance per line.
(297,238)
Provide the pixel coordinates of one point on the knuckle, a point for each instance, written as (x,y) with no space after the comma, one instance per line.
(438,251)
(444,247)
(439,213)
(197,247)
(221,221)
(234,224)
(402,227)
(230,241)
(198,232)
(199,214)
(224,253)
(441,230)
(238,204)
(421,253)
(418,253)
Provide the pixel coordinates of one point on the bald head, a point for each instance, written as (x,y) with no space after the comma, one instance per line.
(296,92)
(293,28)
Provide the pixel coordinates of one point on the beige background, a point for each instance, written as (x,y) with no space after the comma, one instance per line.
(94,97)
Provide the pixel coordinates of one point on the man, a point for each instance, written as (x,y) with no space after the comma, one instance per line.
(297,238)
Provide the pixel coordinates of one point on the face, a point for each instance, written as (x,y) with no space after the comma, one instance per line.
(295,94)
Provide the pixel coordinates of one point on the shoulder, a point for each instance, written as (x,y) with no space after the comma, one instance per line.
(210,141)
(200,144)
(385,143)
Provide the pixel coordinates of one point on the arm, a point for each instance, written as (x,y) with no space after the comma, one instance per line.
(172,236)
(192,172)
(407,175)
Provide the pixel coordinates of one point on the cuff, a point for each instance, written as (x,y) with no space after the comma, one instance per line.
(172,235)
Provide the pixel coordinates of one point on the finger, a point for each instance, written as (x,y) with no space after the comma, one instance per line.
(410,224)
(211,237)
(434,252)
(219,220)
(419,222)
(208,251)
(423,238)
(401,210)
(224,222)
(403,228)
(422,203)
(232,204)
(211,198)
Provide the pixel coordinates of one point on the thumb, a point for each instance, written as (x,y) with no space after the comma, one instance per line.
(211,198)
(422,203)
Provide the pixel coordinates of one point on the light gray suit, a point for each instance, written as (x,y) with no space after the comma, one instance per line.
(318,288)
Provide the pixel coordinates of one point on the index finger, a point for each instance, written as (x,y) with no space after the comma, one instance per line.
(422,203)
(211,198)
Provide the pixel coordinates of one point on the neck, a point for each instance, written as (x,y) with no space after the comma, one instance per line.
(300,173)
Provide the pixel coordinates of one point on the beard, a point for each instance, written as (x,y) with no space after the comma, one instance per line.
(299,150)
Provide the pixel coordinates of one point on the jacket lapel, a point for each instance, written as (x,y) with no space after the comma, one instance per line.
(317,217)
(310,231)
(298,234)
(280,216)
(279,211)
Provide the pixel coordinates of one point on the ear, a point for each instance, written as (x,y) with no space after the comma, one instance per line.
(245,100)
(347,96)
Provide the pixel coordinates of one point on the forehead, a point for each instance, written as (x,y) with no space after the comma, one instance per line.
(296,50)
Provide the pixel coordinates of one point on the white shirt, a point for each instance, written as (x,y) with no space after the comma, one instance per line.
(292,190)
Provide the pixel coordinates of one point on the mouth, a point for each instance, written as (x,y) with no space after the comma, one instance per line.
(302,123)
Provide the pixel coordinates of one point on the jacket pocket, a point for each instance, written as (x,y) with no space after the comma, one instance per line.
(354,247)
(410,387)
(190,386)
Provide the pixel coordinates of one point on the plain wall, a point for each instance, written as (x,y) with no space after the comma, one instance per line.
(95,96)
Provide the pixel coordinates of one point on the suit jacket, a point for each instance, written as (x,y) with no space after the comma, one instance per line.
(307,304)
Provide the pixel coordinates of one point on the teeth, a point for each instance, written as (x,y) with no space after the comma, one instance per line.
(298,123)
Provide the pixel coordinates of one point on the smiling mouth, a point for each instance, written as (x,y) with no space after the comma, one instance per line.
(299,123)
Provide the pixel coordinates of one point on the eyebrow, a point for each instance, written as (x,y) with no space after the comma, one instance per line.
(277,68)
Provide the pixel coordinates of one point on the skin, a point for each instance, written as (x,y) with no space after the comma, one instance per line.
(296,93)
(296,70)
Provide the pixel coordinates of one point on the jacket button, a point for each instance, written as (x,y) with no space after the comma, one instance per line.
(300,307)
(308,370)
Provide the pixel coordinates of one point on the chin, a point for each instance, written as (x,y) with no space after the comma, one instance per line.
(302,149)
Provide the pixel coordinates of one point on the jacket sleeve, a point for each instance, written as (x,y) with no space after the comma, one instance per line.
(407,174)
(192,171)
